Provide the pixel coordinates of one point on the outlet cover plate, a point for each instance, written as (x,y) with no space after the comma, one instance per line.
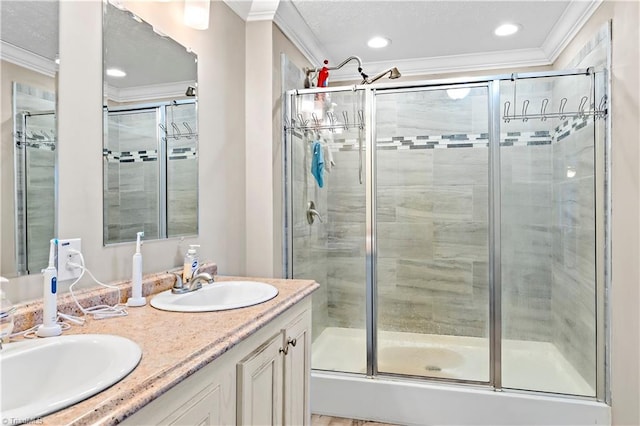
(67,272)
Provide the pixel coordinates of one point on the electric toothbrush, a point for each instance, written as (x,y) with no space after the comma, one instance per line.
(136,298)
(50,326)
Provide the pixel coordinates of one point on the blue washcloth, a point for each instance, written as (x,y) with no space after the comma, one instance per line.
(317,163)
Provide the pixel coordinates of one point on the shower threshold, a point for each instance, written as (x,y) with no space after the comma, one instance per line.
(527,365)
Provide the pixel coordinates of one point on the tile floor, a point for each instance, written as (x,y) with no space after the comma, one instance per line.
(318,420)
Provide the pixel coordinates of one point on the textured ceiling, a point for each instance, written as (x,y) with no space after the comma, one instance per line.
(31,25)
(147,57)
(424,29)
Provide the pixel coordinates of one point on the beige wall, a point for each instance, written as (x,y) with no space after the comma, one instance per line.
(259,171)
(221,143)
(281,44)
(625,189)
(10,73)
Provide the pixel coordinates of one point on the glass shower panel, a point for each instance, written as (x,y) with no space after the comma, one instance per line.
(182,169)
(131,175)
(331,249)
(39,187)
(432,176)
(548,235)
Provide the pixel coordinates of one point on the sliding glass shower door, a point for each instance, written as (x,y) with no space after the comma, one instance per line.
(458,234)
(431,214)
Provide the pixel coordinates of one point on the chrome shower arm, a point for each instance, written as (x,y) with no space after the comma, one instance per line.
(311,72)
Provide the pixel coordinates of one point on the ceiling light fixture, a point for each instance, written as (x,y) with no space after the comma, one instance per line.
(115,72)
(506,29)
(378,42)
(196,14)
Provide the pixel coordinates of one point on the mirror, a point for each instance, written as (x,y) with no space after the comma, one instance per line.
(28,53)
(150,146)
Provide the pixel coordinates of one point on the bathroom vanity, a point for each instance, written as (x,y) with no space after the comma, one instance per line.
(241,366)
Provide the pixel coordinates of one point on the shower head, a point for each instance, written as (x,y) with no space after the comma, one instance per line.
(191,91)
(393,74)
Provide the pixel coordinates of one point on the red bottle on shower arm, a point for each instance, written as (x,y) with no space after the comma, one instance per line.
(323,75)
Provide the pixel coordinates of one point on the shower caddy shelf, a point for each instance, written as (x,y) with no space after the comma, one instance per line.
(315,123)
(35,140)
(599,111)
(594,111)
(177,134)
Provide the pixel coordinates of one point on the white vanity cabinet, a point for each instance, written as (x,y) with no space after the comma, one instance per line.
(262,380)
(273,381)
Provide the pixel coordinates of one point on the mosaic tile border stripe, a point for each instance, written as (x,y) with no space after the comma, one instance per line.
(468,140)
(148,155)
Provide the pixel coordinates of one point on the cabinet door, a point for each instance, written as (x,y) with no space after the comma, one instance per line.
(297,369)
(260,385)
(204,411)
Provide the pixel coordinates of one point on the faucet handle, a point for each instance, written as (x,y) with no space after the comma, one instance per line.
(178,283)
(195,271)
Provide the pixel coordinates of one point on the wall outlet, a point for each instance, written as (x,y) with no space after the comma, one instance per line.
(66,272)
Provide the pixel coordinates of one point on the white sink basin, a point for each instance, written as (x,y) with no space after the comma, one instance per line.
(218,296)
(41,376)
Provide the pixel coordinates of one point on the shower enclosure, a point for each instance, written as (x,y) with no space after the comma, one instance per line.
(35,138)
(458,235)
(150,172)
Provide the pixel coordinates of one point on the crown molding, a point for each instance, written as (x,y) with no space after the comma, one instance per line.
(290,22)
(148,93)
(254,10)
(573,18)
(453,63)
(26,59)
(240,8)
(263,10)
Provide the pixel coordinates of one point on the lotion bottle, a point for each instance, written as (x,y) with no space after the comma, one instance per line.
(136,298)
(190,263)
(50,326)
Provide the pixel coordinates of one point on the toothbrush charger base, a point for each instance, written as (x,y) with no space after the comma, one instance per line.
(136,301)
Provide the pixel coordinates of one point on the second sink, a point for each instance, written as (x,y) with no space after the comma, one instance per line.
(218,296)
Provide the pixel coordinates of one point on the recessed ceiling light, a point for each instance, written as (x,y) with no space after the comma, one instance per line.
(378,42)
(115,72)
(506,29)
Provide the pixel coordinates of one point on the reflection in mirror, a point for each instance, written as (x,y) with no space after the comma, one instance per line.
(150,132)
(29,49)
(34,119)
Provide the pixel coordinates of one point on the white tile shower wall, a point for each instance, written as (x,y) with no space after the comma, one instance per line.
(573,267)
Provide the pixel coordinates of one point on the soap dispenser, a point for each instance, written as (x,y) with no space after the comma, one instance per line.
(190,263)
(136,298)
(6,314)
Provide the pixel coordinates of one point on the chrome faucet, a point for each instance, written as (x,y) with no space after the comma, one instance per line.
(195,283)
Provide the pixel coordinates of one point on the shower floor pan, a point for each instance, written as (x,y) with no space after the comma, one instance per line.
(526,365)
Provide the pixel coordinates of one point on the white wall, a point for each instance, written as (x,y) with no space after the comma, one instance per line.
(259,167)
(625,188)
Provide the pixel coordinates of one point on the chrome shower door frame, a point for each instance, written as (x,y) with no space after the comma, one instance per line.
(602,194)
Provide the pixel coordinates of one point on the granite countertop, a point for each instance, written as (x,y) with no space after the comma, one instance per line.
(174,346)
